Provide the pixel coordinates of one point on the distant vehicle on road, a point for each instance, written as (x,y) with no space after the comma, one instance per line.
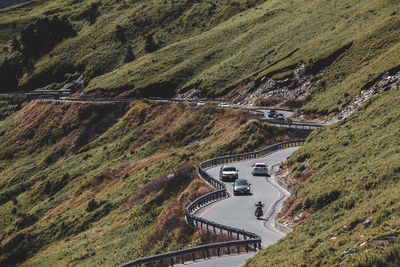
(260,169)
(228,173)
(201,103)
(223,105)
(281,117)
(272,113)
(241,186)
(259,212)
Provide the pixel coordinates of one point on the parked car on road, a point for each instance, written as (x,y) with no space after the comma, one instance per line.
(241,186)
(228,173)
(259,169)
(281,117)
(201,103)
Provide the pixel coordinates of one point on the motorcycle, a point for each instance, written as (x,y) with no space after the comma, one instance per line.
(258,212)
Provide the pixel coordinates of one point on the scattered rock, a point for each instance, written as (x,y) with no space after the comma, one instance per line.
(295,87)
(386,83)
(349,251)
(384,239)
(367,223)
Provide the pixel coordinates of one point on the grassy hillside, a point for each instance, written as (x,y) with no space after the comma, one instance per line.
(86,184)
(356,172)
(163,47)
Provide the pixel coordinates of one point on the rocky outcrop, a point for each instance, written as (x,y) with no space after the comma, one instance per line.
(384,82)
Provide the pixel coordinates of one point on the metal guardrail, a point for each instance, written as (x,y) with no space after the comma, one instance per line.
(280,123)
(245,239)
(293,124)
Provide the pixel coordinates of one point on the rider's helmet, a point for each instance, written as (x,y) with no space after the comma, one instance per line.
(259,202)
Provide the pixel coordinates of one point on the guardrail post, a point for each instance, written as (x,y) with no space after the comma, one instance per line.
(223,230)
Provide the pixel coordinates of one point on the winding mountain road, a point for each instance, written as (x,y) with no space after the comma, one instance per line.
(238,211)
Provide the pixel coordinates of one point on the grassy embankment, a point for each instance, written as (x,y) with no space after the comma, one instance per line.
(212,45)
(356,172)
(84,184)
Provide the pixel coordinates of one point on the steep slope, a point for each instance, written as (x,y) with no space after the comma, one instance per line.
(107,34)
(352,196)
(164,47)
(88,184)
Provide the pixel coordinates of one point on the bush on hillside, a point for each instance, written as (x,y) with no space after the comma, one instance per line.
(266,102)
(41,36)
(151,45)
(8,76)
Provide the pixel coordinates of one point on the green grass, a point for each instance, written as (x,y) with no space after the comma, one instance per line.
(356,174)
(214,45)
(68,170)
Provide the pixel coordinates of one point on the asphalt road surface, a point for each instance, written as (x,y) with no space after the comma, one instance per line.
(228,261)
(238,211)
(285,113)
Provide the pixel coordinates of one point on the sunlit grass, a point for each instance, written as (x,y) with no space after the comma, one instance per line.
(215,45)
(359,160)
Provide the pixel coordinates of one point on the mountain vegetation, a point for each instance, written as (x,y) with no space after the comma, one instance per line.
(100,184)
(352,196)
(95,184)
(161,47)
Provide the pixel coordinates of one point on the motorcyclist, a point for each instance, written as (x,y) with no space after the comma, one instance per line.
(259,204)
(259,211)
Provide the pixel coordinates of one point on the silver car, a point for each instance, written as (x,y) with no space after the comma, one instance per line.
(228,173)
(241,186)
(260,169)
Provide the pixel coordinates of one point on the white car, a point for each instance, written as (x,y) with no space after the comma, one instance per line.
(260,169)
(201,103)
(223,105)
